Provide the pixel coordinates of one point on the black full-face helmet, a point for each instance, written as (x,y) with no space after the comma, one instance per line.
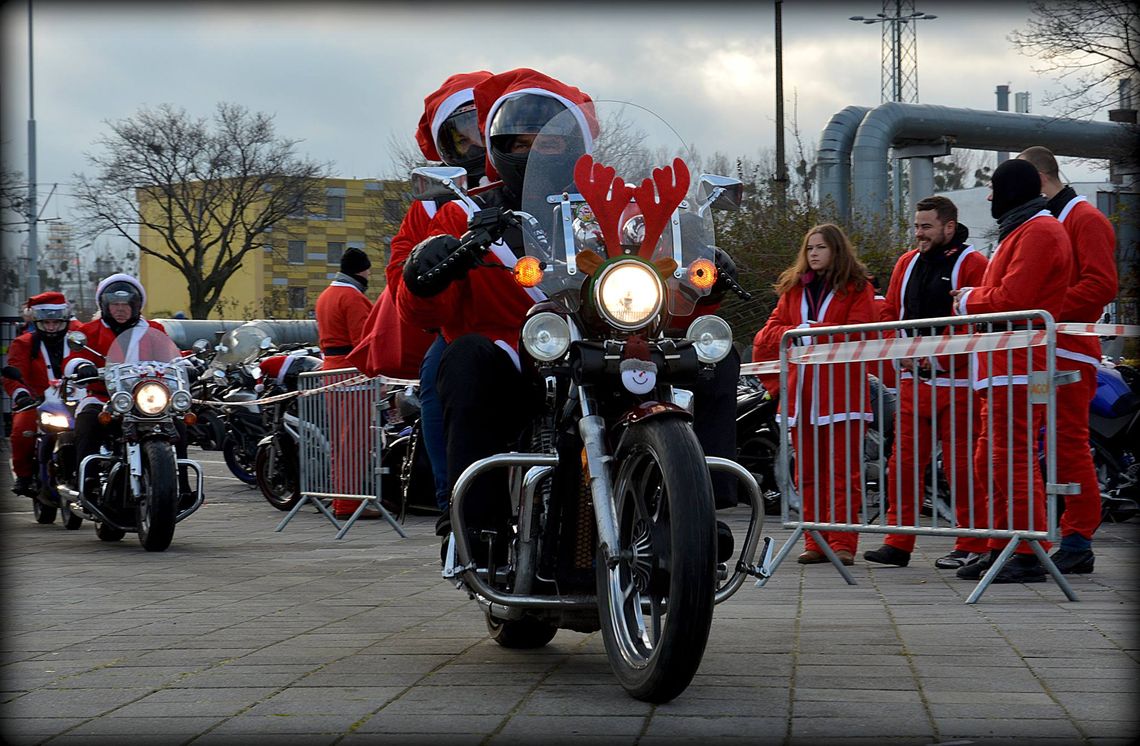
(120,291)
(43,315)
(526,114)
(460,144)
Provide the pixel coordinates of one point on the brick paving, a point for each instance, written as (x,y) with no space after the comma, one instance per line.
(240,635)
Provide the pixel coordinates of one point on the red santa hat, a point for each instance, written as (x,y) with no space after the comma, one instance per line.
(442,103)
(49,301)
(494,91)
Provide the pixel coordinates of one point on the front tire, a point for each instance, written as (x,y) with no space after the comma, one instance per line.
(276,478)
(656,603)
(239,462)
(157,506)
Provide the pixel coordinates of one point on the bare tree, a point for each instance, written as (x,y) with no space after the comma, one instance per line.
(405,156)
(13,194)
(1090,44)
(210,191)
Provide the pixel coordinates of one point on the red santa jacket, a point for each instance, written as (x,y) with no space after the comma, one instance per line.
(100,337)
(487,302)
(1030,269)
(1093,283)
(832,393)
(28,355)
(969,269)
(341,311)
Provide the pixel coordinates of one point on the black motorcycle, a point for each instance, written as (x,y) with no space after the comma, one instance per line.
(276,466)
(137,473)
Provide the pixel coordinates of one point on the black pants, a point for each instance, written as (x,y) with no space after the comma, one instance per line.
(486,405)
(89,435)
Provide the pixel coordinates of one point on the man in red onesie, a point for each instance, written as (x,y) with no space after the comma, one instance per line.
(1030,269)
(341,311)
(933,393)
(38,356)
(1093,285)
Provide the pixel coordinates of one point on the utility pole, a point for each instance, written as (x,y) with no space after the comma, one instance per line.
(781,179)
(899,63)
(33,208)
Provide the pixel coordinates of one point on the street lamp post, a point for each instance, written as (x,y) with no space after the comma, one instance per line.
(899,73)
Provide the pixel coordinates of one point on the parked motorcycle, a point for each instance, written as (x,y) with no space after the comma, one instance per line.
(148,388)
(407,483)
(276,461)
(1114,432)
(235,372)
(613,524)
(209,431)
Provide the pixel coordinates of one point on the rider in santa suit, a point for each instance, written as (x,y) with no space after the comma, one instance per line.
(448,131)
(1092,286)
(38,356)
(1030,269)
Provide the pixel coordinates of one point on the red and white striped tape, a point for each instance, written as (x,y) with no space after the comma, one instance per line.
(1099,330)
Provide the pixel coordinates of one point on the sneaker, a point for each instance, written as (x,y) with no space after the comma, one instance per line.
(954,560)
(888,555)
(1073,562)
(1022,568)
(724,542)
(977,567)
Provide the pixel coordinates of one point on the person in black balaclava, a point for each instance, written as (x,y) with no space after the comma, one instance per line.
(1030,269)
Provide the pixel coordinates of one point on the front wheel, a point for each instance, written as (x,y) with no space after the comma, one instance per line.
(157,506)
(239,460)
(656,602)
(276,474)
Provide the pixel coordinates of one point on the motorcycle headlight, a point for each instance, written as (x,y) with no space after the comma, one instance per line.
(711,337)
(122,402)
(628,294)
(546,336)
(181,401)
(152,398)
(54,421)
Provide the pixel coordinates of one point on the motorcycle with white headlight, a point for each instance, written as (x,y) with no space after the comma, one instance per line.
(613,524)
(148,386)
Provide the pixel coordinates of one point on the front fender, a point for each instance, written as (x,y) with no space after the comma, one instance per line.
(648,409)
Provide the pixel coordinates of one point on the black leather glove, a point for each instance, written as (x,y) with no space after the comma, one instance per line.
(85,372)
(726,273)
(22,399)
(435,263)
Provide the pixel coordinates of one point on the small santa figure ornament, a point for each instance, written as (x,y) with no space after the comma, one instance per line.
(638,371)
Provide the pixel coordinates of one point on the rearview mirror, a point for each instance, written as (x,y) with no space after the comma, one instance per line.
(76,340)
(266,343)
(719,192)
(440,182)
(200,345)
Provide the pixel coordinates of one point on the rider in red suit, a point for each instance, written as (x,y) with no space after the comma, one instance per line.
(1030,269)
(1093,285)
(38,356)
(121,299)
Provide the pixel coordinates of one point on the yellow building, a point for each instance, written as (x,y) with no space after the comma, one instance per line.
(299,256)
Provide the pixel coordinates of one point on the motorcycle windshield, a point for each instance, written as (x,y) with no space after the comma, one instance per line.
(635,143)
(142,344)
(239,345)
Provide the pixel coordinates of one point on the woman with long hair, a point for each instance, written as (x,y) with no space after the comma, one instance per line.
(827,285)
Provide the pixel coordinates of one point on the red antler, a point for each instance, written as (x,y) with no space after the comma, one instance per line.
(672,186)
(607,196)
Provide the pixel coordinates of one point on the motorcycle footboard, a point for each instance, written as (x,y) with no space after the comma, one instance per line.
(199,492)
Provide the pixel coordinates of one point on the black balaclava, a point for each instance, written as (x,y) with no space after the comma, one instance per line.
(1015,182)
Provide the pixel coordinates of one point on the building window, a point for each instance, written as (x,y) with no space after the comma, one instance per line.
(334,207)
(297,301)
(335,251)
(393,211)
(296,252)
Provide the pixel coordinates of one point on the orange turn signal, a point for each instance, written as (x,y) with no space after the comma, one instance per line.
(528,271)
(190,418)
(105,418)
(702,274)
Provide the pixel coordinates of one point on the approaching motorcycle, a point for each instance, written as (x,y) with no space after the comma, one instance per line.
(55,454)
(613,523)
(148,388)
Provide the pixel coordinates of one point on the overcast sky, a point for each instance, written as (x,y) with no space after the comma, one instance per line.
(342,77)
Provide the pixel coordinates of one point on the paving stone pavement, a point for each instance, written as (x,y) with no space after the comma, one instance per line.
(240,635)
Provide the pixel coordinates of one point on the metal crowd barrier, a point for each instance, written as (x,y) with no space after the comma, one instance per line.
(341,441)
(952,355)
